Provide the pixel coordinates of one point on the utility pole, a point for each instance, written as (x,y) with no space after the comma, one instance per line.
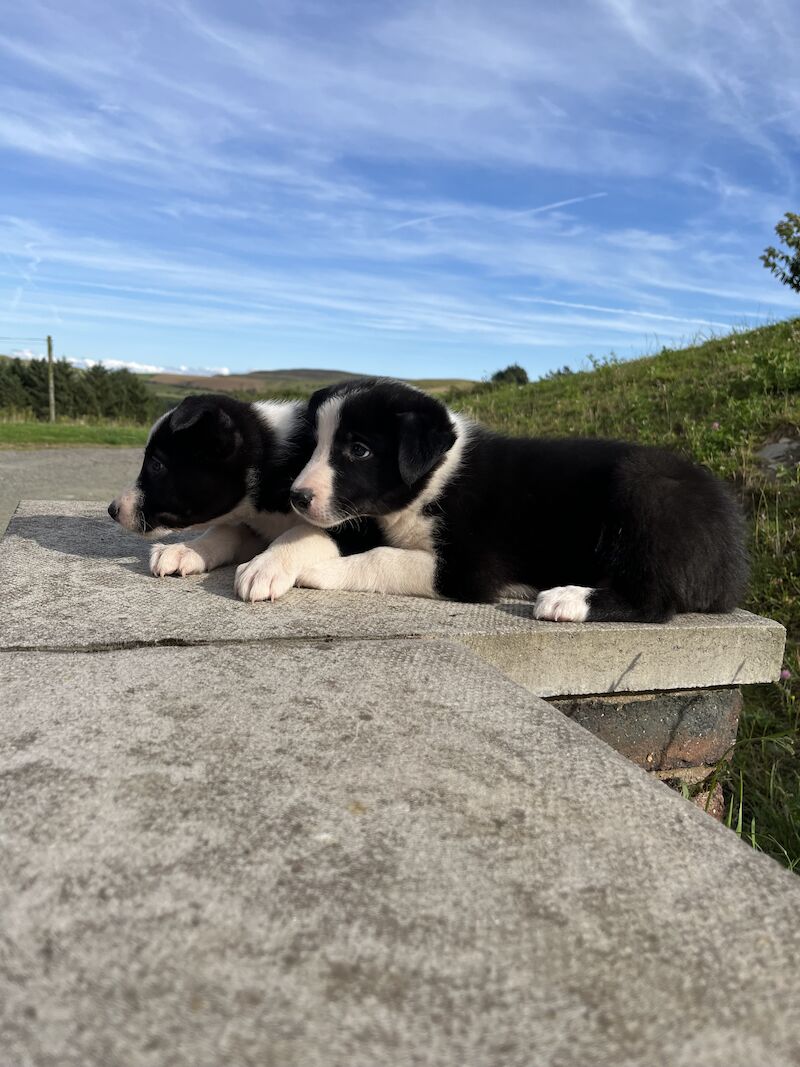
(51,388)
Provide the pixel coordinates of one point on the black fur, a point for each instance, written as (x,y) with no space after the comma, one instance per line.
(200,460)
(651,532)
(407,431)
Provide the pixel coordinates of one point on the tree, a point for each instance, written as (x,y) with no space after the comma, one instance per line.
(786,265)
(512,375)
(13,396)
(96,393)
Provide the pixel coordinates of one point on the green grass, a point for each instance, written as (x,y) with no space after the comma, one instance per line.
(719,402)
(32,434)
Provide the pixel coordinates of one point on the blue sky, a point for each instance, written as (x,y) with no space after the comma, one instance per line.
(432,189)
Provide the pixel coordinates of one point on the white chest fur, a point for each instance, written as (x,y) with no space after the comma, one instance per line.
(268,524)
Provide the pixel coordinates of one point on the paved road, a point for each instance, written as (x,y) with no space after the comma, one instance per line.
(63,474)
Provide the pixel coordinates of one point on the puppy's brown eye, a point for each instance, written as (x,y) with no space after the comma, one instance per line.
(359,450)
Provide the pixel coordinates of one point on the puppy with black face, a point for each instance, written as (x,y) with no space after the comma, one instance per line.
(595,529)
(223,466)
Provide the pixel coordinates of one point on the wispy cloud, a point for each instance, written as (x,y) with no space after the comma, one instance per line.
(123,364)
(147,368)
(445,185)
(627,312)
(474,212)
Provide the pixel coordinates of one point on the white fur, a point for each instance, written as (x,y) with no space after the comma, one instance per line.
(214,548)
(274,572)
(563,603)
(407,572)
(411,528)
(269,524)
(317,475)
(129,503)
(280,416)
(157,423)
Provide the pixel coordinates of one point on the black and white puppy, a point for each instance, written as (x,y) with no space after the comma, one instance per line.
(602,530)
(218,463)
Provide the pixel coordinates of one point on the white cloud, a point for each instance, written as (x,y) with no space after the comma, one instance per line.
(117,364)
(146,368)
(26,353)
(123,364)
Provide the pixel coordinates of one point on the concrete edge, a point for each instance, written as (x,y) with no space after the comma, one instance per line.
(550,671)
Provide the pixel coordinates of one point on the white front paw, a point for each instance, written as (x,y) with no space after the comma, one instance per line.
(563,603)
(263,578)
(316,577)
(176,559)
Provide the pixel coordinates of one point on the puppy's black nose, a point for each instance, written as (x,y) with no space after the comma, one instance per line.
(113,510)
(301,498)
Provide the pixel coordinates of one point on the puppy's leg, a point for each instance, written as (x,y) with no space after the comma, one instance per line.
(563,603)
(408,572)
(217,546)
(577,603)
(273,572)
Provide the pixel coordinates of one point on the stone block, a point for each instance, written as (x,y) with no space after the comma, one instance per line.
(348,853)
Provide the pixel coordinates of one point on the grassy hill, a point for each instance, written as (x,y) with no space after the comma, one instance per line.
(720,402)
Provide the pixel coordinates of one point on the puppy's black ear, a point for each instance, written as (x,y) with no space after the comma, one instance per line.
(423,442)
(212,429)
(187,414)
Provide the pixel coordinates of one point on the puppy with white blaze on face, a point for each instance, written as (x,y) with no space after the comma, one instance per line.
(225,467)
(594,529)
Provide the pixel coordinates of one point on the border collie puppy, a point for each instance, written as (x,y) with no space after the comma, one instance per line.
(602,530)
(226,465)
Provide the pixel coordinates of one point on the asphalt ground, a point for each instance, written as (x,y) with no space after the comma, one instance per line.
(63,474)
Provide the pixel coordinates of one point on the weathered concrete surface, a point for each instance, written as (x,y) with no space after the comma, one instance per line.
(358,853)
(63,474)
(70,578)
(662,731)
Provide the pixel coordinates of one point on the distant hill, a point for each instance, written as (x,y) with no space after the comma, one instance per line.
(303,374)
(302,380)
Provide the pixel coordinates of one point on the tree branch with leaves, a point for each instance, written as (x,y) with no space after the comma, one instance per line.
(786,265)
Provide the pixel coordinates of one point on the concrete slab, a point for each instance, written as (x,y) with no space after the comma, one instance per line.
(70,579)
(358,853)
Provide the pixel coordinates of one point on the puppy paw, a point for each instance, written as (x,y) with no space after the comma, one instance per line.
(316,577)
(263,578)
(563,603)
(176,559)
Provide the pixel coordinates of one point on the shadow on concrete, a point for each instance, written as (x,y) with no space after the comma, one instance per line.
(219,582)
(85,537)
(102,539)
(519,609)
